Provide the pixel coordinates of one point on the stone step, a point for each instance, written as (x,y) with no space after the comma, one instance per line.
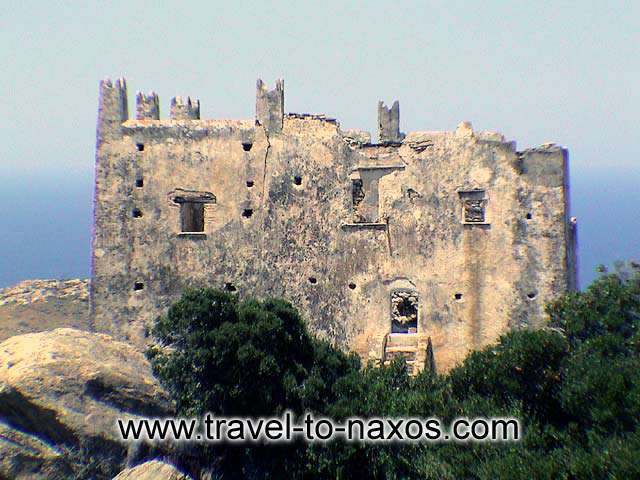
(412,365)
(408,362)
(401,348)
(408,354)
(398,340)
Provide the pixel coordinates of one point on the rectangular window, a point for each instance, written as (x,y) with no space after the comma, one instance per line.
(357,195)
(364,196)
(192,206)
(192,216)
(474,205)
(474,211)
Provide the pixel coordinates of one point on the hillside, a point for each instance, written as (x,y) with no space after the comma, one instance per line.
(37,305)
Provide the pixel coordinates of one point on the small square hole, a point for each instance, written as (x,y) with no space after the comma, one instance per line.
(139,183)
(140,147)
(138,286)
(297,180)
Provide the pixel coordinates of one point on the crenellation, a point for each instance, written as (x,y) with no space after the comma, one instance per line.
(389,123)
(464,130)
(423,246)
(112,109)
(147,106)
(270,106)
(181,110)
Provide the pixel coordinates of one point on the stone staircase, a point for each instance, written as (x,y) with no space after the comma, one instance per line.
(406,346)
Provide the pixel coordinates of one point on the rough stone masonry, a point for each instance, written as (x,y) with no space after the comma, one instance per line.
(424,245)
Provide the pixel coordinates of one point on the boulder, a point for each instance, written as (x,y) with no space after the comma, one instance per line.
(24,456)
(67,387)
(153,470)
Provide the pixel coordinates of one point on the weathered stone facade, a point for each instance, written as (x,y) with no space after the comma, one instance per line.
(424,245)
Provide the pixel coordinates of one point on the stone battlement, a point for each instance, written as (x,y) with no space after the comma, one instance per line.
(421,244)
(148,115)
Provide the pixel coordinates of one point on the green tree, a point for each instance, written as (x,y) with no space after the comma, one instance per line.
(522,368)
(575,388)
(217,354)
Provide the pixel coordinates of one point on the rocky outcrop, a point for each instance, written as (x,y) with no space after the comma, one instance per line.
(34,291)
(24,456)
(153,470)
(67,388)
(39,305)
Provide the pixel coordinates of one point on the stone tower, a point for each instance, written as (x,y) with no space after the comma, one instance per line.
(424,245)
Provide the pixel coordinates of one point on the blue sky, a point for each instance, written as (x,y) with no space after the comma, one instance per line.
(567,72)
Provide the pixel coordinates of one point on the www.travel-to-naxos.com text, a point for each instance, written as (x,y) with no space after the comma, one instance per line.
(310,428)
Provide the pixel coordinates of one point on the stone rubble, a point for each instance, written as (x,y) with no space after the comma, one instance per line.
(34,291)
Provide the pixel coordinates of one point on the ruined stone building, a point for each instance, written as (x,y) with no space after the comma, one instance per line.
(424,245)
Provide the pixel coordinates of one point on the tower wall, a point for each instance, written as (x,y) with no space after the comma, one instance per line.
(451,237)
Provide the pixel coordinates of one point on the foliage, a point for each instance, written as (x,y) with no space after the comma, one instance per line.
(574,386)
(523,367)
(216,354)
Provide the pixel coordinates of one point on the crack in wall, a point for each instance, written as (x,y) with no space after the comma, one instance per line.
(264,171)
(262,235)
(388,237)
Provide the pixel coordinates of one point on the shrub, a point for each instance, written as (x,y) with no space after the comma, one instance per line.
(575,389)
(220,355)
